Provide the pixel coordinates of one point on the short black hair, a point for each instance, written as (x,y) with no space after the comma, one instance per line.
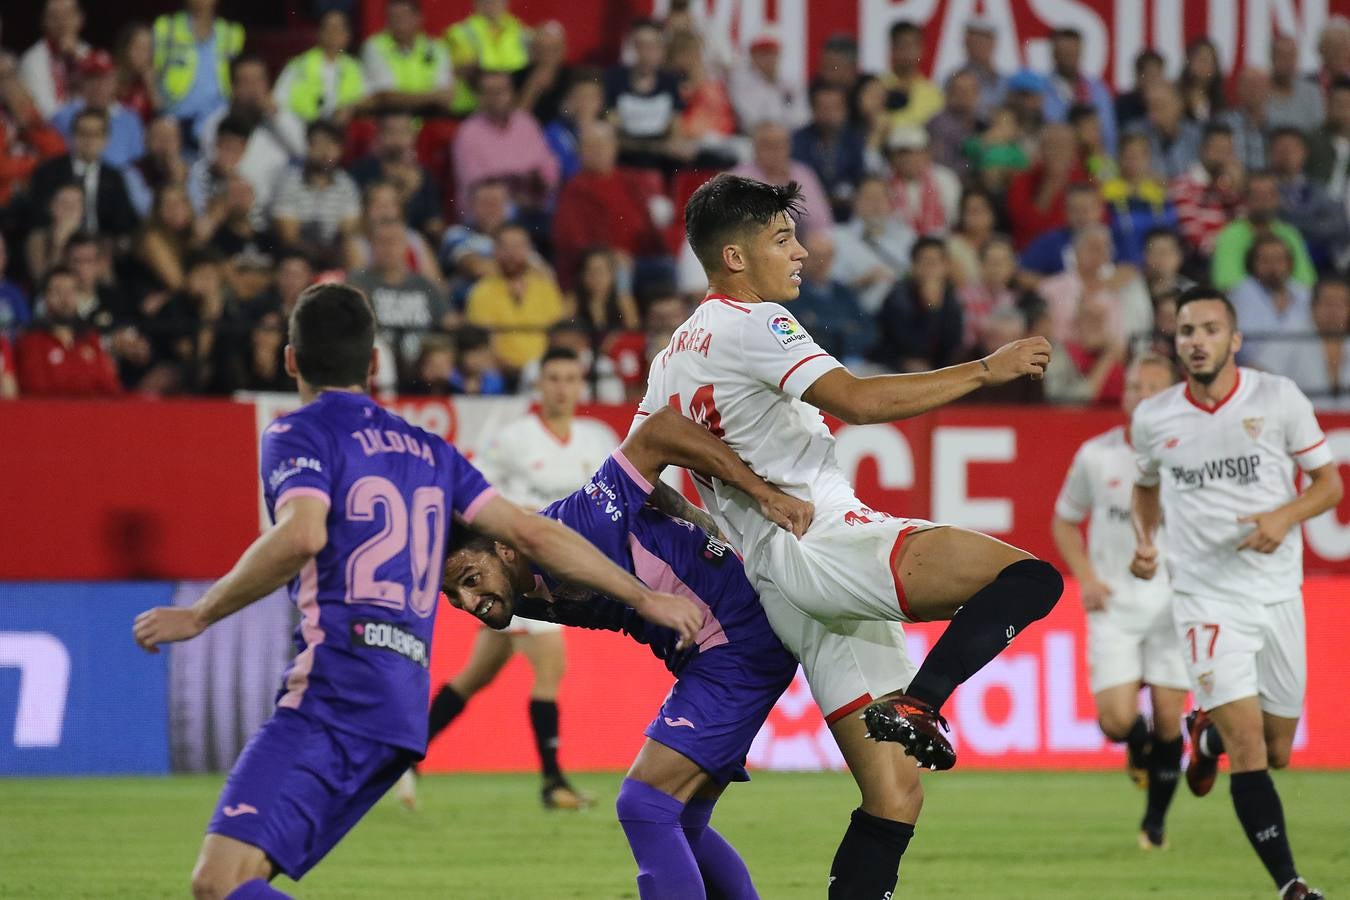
(465,537)
(91,112)
(1266,240)
(926,242)
(56,272)
(1073,33)
(470,337)
(1285,131)
(248,59)
(81,238)
(1205,292)
(646,24)
(1340,84)
(555,353)
(234,125)
(727,205)
(1214,129)
(901,28)
(1080,111)
(332,331)
(1162,231)
(1145,58)
(325,127)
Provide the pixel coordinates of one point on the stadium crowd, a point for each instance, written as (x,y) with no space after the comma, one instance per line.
(164,201)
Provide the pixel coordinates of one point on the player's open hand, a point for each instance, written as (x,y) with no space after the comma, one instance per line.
(166,625)
(1094,594)
(1145,562)
(1029,356)
(786,511)
(670,611)
(1271,527)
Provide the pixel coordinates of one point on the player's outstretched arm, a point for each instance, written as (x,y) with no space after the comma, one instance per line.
(272,560)
(1146,516)
(666,438)
(1324,491)
(571,558)
(888,398)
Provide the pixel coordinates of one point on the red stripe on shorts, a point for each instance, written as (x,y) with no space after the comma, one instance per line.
(851,706)
(900,588)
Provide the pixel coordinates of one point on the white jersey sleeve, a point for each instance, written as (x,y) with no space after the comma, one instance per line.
(1303,435)
(495,461)
(1146,461)
(1074,503)
(781,353)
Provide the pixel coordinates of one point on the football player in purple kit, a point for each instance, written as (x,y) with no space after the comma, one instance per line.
(361,502)
(727,679)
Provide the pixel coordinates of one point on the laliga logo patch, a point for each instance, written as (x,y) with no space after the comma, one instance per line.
(786,330)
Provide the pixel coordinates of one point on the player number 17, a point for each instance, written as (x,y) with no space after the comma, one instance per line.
(1212,630)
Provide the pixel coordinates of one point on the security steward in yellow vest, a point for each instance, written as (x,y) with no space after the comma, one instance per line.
(404,68)
(324,82)
(490,40)
(193,51)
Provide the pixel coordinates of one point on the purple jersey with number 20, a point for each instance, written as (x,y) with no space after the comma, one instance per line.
(368,600)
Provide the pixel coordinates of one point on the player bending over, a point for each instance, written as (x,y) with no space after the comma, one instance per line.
(746,369)
(361,503)
(1131,639)
(727,682)
(1214,459)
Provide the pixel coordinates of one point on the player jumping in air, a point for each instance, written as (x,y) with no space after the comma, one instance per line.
(1131,639)
(533,461)
(742,366)
(361,502)
(1214,459)
(727,682)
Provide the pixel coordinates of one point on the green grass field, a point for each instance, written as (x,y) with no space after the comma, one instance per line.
(982,835)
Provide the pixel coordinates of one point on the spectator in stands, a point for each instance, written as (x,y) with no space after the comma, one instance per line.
(198,336)
(477,369)
(516,303)
(919,327)
(248,276)
(488,40)
(868,112)
(1131,106)
(1174,139)
(926,196)
(14,309)
(949,130)
(26,140)
(1201,82)
(1237,237)
(467,250)
(1208,195)
(602,205)
(1304,203)
(435,366)
(708,119)
(1333,46)
(761,93)
(101,301)
(107,208)
(232,224)
(910,97)
(169,236)
(1036,197)
(829,309)
(1163,258)
(1294,101)
(404,68)
(1026,98)
(393,159)
(265,367)
(383,202)
(276,137)
(646,104)
(503,141)
(583,103)
(1068,85)
(995,155)
(976,224)
(317,207)
(838,63)
(163,163)
(1048,253)
(1272,304)
(60,355)
(193,52)
(1136,199)
(981,42)
(601,382)
(44,246)
(1099,162)
(772,162)
(47,68)
(1329,150)
(600,300)
(97,87)
(1324,374)
(546,79)
(1247,118)
(134,58)
(294,274)
(324,82)
(406,304)
(1092,361)
(1091,276)
(213,169)
(831,147)
(991,293)
(872,249)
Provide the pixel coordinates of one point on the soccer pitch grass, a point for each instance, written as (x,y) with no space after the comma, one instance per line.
(982,835)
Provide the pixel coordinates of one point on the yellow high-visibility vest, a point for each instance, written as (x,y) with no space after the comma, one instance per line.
(307,84)
(414,70)
(494,48)
(176,53)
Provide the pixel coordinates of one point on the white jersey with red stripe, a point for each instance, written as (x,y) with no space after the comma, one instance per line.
(1216,466)
(534,467)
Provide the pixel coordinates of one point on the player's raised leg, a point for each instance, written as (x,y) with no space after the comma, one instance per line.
(229,868)
(547,656)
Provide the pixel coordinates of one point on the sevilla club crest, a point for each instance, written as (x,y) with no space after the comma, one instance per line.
(1253,426)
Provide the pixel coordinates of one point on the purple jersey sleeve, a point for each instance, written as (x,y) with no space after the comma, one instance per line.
(296,461)
(469,490)
(604,509)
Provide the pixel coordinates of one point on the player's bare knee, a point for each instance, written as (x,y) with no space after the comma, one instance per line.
(1114,725)
(211,882)
(1277,757)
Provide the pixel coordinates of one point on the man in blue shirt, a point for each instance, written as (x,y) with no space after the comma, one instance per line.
(1068,85)
(98,89)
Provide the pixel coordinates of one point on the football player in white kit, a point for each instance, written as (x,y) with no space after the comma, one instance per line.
(534,461)
(1131,639)
(746,369)
(1216,458)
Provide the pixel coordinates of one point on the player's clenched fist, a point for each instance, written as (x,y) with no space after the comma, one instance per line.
(1094,594)
(670,611)
(1028,356)
(166,625)
(1145,562)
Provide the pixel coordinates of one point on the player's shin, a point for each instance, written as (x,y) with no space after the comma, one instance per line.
(1164,771)
(724,873)
(651,821)
(445,708)
(257,889)
(867,864)
(1022,593)
(1262,816)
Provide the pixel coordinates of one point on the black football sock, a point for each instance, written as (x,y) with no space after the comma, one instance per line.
(544,721)
(444,709)
(1022,593)
(1164,769)
(1262,817)
(867,864)
(1209,743)
(1137,737)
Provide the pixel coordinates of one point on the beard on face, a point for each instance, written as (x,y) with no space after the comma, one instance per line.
(1207,378)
